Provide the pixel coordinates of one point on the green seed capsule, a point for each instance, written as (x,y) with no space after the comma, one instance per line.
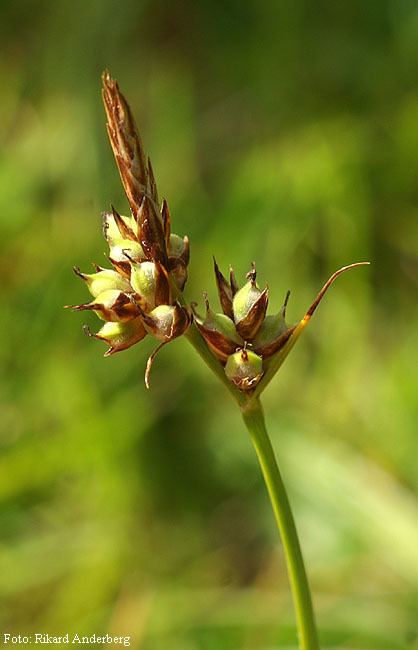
(111,305)
(219,332)
(143,282)
(271,328)
(120,336)
(166,322)
(123,253)
(273,333)
(249,307)
(104,280)
(245,369)
(178,271)
(177,245)
(118,228)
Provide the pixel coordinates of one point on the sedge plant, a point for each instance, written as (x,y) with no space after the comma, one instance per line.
(142,294)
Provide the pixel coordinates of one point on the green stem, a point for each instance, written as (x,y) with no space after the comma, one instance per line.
(254,419)
(253,415)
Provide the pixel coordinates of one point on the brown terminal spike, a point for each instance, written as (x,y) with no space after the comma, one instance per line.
(126,143)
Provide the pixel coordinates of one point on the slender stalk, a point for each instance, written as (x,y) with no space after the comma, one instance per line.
(254,419)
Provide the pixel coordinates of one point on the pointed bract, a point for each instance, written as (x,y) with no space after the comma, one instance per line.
(224,291)
(125,229)
(117,228)
(288,339)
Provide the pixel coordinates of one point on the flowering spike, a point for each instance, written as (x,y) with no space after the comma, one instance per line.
(137,295)
(264,339)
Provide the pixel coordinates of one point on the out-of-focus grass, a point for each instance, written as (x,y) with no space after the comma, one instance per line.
(282,132)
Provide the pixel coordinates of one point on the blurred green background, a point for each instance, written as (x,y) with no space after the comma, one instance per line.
(280,131)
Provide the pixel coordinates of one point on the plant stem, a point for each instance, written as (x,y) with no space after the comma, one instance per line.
(254,419)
